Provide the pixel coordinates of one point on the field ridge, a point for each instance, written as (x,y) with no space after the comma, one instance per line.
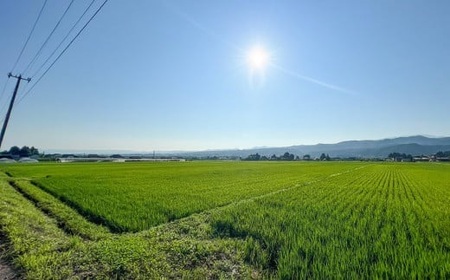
(66,218)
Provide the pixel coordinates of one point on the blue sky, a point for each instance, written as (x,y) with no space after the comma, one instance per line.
(172,75)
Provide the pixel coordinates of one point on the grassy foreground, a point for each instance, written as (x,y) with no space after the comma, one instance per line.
(255,220)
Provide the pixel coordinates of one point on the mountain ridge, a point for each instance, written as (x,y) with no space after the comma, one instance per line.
(414,145)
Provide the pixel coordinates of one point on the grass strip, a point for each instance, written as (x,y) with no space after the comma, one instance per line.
(38,248)
(68,219)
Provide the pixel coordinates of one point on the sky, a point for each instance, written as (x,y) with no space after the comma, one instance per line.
(174,75)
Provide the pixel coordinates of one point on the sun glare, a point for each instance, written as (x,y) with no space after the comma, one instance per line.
(258,58)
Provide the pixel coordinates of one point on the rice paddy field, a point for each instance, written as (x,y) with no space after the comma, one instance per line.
(213,220)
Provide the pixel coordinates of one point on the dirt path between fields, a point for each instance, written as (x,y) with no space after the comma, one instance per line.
(6,271)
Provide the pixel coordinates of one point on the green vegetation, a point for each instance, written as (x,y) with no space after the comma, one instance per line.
(386,221)
(134,197)
(229,219)
(25,151)
(39,247)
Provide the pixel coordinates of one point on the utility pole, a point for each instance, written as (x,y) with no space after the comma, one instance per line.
(11,104)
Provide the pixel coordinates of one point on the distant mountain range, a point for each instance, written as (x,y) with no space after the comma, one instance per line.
(414,145)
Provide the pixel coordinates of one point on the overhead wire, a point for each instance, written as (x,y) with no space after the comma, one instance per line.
(48,38)
(63,40)
(64,50)
(29,36)
(46,41)
(21,53)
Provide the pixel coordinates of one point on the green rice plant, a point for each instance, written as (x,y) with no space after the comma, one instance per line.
(136,196)
(385,221)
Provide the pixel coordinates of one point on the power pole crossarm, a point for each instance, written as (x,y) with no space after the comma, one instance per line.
(11,104)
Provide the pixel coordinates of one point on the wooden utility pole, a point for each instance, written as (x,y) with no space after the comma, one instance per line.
(11,104)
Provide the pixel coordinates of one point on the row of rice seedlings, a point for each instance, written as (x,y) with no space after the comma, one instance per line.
(351,226)
(434,223)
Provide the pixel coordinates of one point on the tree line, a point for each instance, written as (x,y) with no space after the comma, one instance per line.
(439,154)
(25,151)
(443,154)
(285,157)
(400,156)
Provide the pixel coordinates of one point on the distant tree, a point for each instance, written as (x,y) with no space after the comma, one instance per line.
(34,151)
(14,150)
(253,157)
(325,157)
(306,157)
(287,156)
(92,156)
(25,151)
(393,155)
(442,154)
(116,156)
(398,156)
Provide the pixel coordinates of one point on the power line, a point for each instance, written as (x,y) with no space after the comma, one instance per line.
(62,41)
(29,35)
(65,49)
(48,37)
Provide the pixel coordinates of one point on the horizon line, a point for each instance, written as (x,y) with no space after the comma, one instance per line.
(130,151)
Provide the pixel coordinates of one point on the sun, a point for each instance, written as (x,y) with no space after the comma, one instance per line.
(258,58)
